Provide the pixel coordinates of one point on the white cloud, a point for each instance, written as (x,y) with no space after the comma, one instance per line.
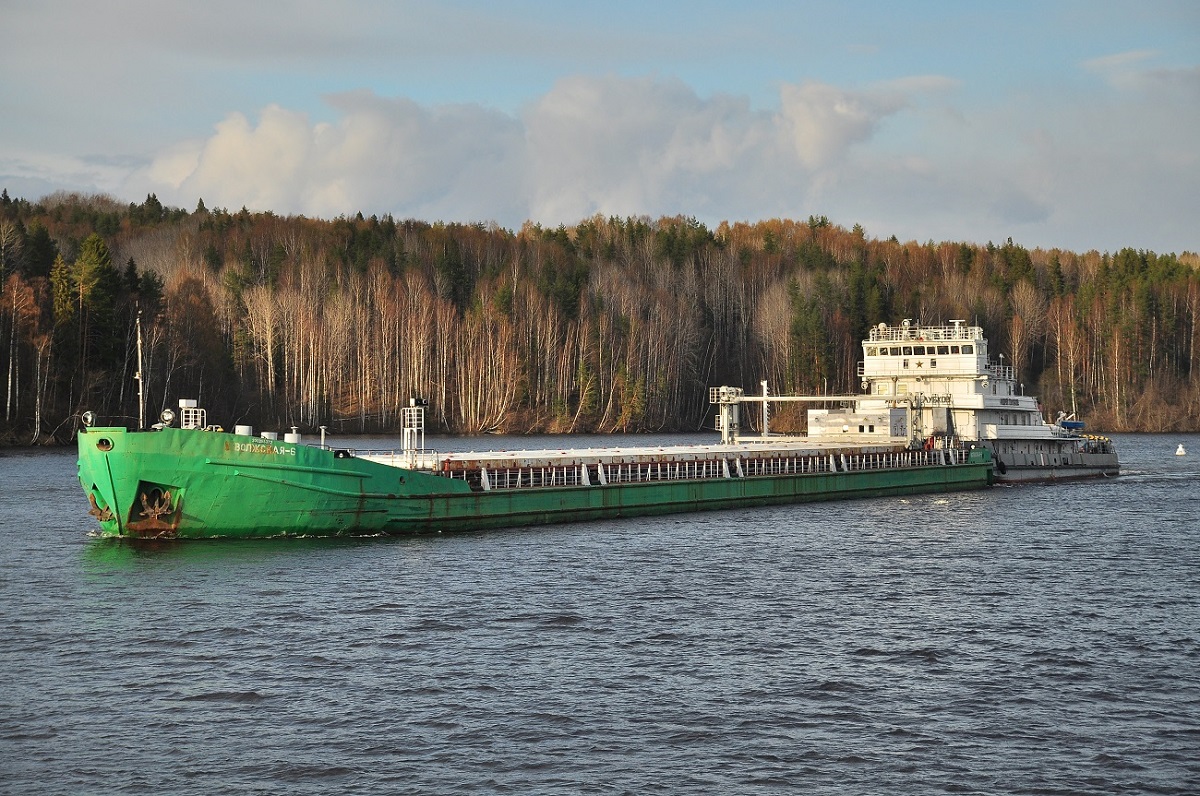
(262,165)
(175,164)
(631,146)
(900,156)
(1130,72)
(30,173)
(386,155)
(610,145)
(822,121)
(1115,61)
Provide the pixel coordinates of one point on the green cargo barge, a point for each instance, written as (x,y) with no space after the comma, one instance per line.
(200,482)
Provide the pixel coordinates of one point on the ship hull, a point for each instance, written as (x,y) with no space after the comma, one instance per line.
(1063,462)
(197,484)
(1106,466)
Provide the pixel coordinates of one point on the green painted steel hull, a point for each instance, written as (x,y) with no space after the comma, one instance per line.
(197,484)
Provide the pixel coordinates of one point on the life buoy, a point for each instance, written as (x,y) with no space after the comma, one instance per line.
(929,444)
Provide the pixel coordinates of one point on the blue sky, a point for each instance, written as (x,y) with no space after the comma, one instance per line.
(1068,124)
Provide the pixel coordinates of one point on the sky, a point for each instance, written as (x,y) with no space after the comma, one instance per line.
(1072,125)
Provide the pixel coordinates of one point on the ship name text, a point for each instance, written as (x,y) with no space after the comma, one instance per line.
(263,448)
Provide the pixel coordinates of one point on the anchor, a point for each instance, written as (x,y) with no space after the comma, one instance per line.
(102,514)
(158,508)
(158,515)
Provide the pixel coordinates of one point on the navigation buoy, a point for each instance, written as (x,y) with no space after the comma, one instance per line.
(1180,451)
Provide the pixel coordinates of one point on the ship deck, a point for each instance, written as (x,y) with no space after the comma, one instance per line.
(747,448)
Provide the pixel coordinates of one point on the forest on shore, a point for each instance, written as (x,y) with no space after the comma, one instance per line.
(613,324)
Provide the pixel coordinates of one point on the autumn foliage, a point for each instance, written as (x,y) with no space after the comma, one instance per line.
(609,325)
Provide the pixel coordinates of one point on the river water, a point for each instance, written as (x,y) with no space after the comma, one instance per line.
(1036,640)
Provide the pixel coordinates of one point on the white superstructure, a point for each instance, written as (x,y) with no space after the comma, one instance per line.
(945,379)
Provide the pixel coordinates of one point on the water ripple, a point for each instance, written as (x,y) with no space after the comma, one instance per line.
(1033,640)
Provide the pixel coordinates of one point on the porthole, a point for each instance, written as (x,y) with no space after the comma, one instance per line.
(104,444)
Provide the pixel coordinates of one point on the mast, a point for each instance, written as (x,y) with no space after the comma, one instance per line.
(138,375)
(766,411)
